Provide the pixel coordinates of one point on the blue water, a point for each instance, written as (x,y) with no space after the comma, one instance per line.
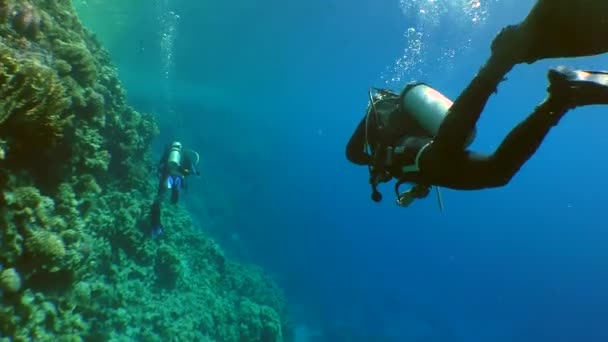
(269,93)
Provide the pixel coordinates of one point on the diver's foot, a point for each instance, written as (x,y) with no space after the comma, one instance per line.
(510,45)
(573,88)
(156,231)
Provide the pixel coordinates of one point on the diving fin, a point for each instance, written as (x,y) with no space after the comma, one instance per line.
(578,87)
(155,220)
(558,29)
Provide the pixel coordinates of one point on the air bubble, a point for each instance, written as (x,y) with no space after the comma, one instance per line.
(444,29)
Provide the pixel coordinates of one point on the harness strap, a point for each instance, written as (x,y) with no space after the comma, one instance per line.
(416,167)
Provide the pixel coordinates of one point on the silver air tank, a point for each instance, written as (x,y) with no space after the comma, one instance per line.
(429,108)
(174,158)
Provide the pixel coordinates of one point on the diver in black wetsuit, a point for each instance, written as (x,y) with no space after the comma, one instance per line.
(421,137)
(173,168)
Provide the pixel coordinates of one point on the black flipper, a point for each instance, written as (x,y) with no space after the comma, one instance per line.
(578,87)
(156,228)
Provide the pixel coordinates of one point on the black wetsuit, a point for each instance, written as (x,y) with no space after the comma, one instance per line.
(446,162)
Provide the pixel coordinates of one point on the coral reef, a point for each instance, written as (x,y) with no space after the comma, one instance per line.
(76,185)
(10,281)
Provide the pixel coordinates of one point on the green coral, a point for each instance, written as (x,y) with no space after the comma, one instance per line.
(44,246)
(90,152)
(258,323)
(168,267)
(33,317)
(10,280)
(23,197)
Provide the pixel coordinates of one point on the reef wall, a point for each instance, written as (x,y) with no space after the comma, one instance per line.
(77,180)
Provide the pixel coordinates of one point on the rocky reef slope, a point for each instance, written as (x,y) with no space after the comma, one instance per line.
(76,182)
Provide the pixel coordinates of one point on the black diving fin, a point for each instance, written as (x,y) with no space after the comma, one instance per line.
(579,87)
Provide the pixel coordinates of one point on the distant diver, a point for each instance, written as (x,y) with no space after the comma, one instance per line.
(173,168)
(420,137)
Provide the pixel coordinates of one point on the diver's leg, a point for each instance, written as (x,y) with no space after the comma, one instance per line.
(156,226)
(155,211)
(543,34)
(467,108)
(509,48)
(568,89)
(472,171)
(563,28)
(523,141)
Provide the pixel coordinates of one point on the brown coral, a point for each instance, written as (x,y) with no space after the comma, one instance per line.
(83,68)
(27,20)
(5,10)
(31,94)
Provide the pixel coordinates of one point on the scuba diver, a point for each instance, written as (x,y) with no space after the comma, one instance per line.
(173,168)
(421,137)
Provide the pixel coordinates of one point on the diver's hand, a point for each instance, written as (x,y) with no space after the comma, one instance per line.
(420,191)
(406,198)
(384,177)
(416,192)
(379,176)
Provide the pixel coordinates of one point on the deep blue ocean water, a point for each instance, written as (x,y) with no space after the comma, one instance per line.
(269,93)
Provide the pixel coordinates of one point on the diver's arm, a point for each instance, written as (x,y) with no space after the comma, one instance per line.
(193,169)
(355,150)
(189,166)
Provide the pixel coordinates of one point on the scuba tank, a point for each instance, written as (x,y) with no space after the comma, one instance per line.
(428,107)
(174,158)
